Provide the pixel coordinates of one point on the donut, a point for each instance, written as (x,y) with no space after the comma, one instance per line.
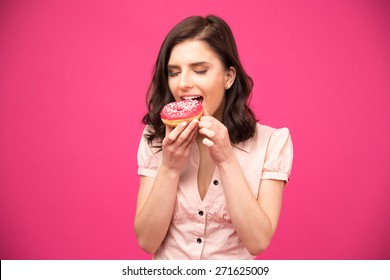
(175,113)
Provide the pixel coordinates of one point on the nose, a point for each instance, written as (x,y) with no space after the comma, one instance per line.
(185,81)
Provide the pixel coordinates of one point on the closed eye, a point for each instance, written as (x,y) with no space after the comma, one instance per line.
(173,74)
(201,72)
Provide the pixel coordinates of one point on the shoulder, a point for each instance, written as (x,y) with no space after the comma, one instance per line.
(274,138)
(148,156)
(279,153)
(148,129)
(264,136)
(152,148)
(265,130)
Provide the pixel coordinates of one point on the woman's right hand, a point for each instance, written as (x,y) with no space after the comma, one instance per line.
(176,146)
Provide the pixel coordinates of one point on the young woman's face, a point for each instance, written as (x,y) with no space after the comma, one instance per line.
(195,71)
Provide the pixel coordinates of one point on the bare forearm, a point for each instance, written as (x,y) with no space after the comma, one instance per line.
(250,221)
(153,220)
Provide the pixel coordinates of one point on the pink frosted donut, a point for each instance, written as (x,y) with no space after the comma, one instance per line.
(175,113)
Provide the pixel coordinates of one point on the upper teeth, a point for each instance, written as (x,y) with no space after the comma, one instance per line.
(190,97)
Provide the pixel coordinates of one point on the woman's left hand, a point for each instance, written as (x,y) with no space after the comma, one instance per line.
(216,139)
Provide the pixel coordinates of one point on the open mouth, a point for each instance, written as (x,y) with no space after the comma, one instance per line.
(195,97)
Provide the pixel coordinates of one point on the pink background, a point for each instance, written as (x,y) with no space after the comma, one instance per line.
(73,77)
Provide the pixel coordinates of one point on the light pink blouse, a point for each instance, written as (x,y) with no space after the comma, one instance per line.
(202,229)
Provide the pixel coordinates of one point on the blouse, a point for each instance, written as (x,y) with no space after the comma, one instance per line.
(202,229)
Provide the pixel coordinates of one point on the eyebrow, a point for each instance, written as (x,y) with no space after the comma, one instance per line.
(200,63)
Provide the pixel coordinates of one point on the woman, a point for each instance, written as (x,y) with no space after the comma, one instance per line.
(209,189)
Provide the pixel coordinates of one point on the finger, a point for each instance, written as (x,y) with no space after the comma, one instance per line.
(171,133)
(205,123)
(191,138)
(207,132)
(207,142)
(168,130)
(207,119)
(185,136)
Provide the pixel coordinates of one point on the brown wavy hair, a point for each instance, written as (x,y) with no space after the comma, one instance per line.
(237,116)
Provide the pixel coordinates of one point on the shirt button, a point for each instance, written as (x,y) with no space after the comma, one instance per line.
(200,213)
(215,182)
(199,240)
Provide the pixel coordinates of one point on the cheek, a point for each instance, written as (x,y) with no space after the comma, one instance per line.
(172,87)
(213,84)
(217,89)
(170,84)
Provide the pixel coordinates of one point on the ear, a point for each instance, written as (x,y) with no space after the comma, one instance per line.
(230,76)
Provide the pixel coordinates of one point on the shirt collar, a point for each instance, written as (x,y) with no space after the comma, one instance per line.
(243,146)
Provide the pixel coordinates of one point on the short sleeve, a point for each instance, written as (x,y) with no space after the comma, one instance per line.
(147,157)
(279,156)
